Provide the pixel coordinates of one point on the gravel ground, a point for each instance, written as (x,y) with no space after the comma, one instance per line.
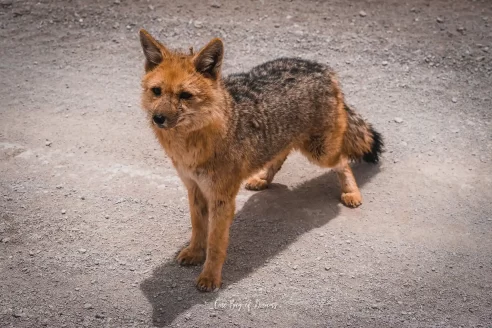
(92,212)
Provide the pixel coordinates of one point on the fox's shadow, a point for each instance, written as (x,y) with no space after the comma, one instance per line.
(272,219)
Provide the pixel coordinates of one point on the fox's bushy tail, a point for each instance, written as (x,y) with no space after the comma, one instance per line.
(361,141)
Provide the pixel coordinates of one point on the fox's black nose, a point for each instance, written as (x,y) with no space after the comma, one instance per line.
(159,119)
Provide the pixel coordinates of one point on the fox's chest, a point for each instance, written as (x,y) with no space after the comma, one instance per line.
(195,176)
(190,167)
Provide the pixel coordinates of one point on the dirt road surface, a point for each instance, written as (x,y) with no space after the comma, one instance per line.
(92,212)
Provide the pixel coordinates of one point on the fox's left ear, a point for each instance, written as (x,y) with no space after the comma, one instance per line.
(209,60)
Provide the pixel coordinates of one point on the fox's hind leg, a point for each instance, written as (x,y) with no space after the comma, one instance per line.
(325,150)
(350,192)
(264,177)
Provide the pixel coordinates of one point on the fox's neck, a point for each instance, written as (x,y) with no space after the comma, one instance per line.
(187,151)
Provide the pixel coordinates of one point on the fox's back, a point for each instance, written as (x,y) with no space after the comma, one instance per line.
(279,82)
(279,101)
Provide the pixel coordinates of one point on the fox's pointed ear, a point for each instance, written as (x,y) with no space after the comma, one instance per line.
(209,60)
(154,51)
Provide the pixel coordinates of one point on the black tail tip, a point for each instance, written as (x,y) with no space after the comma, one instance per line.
(377,148)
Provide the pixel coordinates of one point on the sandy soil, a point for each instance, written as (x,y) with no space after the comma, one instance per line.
(92,213)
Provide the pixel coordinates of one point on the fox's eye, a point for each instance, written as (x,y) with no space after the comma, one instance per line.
(156,91)
(185,95)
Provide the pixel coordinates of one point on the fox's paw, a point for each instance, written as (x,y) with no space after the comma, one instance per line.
(207,282)
(189,256)
(351,199)
(256,183)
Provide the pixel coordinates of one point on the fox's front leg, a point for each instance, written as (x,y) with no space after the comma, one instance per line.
(221,213)
(194,253)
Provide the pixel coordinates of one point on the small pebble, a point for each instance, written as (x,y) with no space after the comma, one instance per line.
(82,250)
(398,120)
(18,314)
(88,306)
(362,13)
(198,24)
(440,20)
(384,63)
(327,268)
(63,211)
(295,267)
(116,2)
(48,143)
(454,99)
(216,5)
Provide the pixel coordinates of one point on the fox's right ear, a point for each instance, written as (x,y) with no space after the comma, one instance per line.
(154,51)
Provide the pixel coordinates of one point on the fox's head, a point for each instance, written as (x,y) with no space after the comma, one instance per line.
(181,91)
